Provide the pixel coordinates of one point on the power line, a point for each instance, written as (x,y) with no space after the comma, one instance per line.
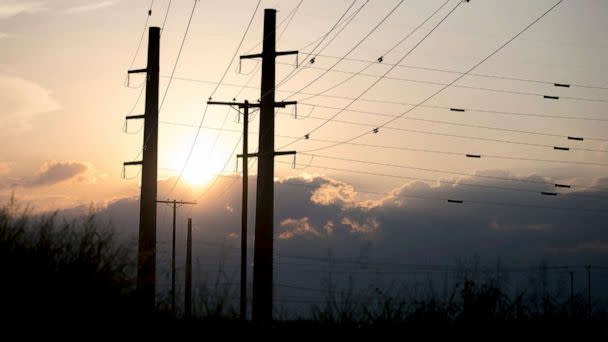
(217,176)
(292,14)
(287,19)
(554,84)
(166,15)
(353,48)
(360,72)
(375,130)
(296,71)
(179,53)
(236,51)
(538,192)
(143,33)
(334,143)
(553,184)
(212,93)
(417,150)
(569,137)
(504,141)
(377,80)
(340,22)
(453,109)
(395,78)
(172,72)
(374,264)
(251,78)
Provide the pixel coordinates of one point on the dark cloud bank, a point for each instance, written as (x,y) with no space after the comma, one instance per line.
(317,217)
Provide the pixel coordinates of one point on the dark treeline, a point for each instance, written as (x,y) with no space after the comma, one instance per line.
(76,275)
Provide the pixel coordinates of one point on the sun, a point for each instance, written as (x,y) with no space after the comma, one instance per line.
(197,175)
(207,160)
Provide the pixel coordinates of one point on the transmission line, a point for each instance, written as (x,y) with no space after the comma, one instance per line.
(375,130)
(453,109)
(210,96)
(554,84)
(538,192)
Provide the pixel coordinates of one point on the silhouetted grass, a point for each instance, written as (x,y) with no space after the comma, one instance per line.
(59,272)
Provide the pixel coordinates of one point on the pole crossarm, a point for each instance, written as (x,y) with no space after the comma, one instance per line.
(278,153)
(234,104)
(132,163)
(138,71)
(176,202)
(278,53)
(133,117)
(281,104)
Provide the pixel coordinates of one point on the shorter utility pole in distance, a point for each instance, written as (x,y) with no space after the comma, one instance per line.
(588,269)
(571,293)
(188,289)
(174,203)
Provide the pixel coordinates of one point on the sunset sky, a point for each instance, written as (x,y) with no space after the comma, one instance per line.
(63,97)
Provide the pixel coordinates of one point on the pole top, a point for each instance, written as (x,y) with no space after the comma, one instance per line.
(270,10)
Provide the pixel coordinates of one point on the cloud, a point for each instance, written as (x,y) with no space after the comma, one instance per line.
(297,227)
(11,8)
(334,192)
(418,229)
(21,100)
(91,7)
(370,225)
(53,173)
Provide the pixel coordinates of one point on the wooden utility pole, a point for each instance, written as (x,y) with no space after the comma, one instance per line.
(245,156)
(245,106)
(174,204)
(589,309)
(146,257)
(188,289)
(571,293)
(264,230)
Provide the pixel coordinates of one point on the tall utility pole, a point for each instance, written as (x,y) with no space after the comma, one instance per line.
(146,257)
(174,204)
(264,230)
(188,289)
